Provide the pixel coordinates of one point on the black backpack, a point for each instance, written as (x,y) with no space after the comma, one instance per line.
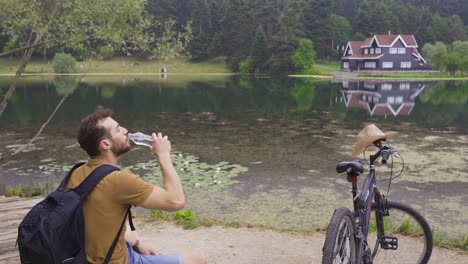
(53,230)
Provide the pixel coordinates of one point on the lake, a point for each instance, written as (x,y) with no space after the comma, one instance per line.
(258,151)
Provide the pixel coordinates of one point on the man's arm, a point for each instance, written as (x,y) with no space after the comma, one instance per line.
(133,238)
(171,196)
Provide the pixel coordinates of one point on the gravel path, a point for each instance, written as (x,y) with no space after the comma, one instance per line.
(249,245)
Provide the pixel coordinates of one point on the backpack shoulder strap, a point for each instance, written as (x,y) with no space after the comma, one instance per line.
(116,239)
(65,179)
(94,178)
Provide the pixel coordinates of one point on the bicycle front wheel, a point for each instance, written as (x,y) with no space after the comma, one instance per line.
(340,242)
(411,231)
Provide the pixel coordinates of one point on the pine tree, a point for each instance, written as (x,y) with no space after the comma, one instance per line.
(201,45)
(260,53)
(316,14)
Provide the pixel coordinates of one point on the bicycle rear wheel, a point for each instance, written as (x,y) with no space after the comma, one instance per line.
(412,231)
(340,242)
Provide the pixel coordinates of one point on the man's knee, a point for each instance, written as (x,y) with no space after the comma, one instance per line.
(194,257)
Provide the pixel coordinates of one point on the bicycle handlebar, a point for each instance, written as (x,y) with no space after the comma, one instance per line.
(385,153)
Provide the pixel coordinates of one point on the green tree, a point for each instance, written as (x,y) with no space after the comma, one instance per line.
(304,56)
(452,62)
(316,14)
(165,43)
(438,30)
(456,28)
(201,45)
(64,63)
(436,54)
(375,17)
(106,52)
(340,30)
(11,45)
(236,30)
(460,48)
(260,52)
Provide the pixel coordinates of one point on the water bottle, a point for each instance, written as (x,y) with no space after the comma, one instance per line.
(141,139)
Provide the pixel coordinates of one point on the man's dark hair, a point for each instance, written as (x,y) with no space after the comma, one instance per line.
(90,134)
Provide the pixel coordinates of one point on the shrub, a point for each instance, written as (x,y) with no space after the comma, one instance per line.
(245,66)
(11,45)
(106,52)
(80,52)
(64,63)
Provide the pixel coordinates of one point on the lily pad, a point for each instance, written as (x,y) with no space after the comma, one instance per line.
(193,174)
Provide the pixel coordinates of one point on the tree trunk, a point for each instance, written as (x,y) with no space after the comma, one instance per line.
(26,58)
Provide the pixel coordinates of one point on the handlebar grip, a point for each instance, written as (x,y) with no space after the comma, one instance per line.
(385,154)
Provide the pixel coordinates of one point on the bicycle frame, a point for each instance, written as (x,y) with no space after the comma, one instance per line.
(362,203)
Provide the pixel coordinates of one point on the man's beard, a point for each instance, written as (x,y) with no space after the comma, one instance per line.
(119,148)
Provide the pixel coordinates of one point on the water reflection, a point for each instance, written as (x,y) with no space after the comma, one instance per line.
(381,98)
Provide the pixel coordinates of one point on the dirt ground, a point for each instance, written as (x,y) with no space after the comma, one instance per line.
(249,245)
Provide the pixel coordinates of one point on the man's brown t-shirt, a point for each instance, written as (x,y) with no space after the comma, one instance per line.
(104,209)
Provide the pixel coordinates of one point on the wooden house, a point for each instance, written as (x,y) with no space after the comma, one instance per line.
(383,53)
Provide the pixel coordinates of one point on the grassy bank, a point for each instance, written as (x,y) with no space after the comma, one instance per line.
(327,68)
(124,65)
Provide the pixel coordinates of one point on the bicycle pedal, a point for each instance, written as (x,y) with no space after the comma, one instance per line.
(389,242)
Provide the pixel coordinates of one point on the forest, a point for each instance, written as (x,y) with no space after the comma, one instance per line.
(256,35)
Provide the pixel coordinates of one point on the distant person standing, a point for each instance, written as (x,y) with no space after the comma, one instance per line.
(106,205)
(164,73)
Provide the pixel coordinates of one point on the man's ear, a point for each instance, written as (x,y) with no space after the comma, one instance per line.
(105,144)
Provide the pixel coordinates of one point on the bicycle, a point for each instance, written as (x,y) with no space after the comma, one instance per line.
(398,227)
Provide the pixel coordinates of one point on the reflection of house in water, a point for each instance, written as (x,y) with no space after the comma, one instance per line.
(381,98)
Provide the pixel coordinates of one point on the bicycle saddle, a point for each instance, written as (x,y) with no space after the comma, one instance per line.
(355,165)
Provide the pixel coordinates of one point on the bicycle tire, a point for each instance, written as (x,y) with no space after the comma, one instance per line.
(340,241)
(412,231)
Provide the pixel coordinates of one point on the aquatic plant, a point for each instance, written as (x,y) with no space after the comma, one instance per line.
(192,172)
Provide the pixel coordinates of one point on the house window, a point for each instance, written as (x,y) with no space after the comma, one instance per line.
(401,50)
(349,52)
(393,50)
(404,86)
(395,100)
(369,64)
(405,65)
(387,86)
(345,65)
(372,51)
(387,65)
(375,99)
(366,51)
(369,85)
(345,84)
(378,50)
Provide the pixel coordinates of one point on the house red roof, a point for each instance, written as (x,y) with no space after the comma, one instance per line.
(356,51)
(389,40)
(356,47)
